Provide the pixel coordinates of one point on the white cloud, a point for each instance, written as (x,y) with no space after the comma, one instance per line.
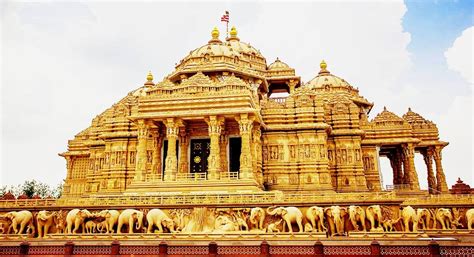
(460,55)
(64,63)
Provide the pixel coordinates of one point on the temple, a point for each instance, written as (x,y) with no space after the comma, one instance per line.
(219,123)
(229,156)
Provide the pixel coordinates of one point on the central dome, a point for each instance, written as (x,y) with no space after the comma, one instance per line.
(232,55)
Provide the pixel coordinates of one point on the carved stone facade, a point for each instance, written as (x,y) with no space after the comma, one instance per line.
(215,124)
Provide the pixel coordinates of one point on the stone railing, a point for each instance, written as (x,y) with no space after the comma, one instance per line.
(250,199)
(280,100)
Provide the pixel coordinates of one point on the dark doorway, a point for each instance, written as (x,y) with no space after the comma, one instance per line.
(200,149)
(235,145)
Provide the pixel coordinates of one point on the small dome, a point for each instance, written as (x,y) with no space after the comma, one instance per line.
(278,65)
(325,78)
(387,117)
(416,119)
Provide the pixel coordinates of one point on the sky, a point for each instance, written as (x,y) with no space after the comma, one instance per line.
(64,62)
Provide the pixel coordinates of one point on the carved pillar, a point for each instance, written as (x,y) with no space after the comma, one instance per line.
(393,164)
(257,153)
(224,140)
(156,157)
(292,84)
(409,165)
(69,162)
(428,158)
(245,126)
(172,130)
(140,167)
(399,166)
(214,159)
(184,143)
(440,177)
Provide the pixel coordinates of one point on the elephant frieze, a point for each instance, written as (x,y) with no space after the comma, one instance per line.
(131,218)
(158,218)
(315,215)
(336,219)
(289,214)
(44,220)
(373,213)
(357,215)
(257,217)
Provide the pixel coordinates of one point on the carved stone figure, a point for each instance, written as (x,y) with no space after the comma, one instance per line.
(424,217)
(315,216)
(76,217)
(374,214)
(158,218)
(90,226)
(257,217)
(445,217)
(223,224)
(240,219)
(290,215)
(357,214)
(409,216)
(22,218)
(129,217)
(336,219)
(388,224)
(44,220)
(60,220)
(273,227)
(470,218)
(111,218)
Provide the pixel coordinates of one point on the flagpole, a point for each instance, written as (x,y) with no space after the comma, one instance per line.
(227,29)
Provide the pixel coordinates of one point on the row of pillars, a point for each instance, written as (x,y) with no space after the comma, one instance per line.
(375,249)
(404,172)
(215,127)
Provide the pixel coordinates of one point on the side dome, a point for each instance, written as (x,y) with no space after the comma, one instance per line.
(278,65)
(326,79)
(232,54)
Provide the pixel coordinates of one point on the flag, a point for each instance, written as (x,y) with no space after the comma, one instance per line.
(225,17)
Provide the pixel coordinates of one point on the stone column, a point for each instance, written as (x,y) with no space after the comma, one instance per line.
(396,172)
(428,158)
(440,177)
(245,126)
(398,156)
(257,153)
(292,84)
(409,165)
(224,140)
(172,130)
(214,159)
(140,166)
(155,162)
(184,143)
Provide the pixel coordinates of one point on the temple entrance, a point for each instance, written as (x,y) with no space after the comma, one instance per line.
(200,149)
(235,145)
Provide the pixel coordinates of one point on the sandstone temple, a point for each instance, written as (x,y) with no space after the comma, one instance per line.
(231,156)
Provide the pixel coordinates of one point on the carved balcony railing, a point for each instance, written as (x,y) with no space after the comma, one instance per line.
(154,177)
(234,175)
(280,100)
(191,176)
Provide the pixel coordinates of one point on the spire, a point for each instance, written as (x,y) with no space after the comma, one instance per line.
(215,36)
(149,79)
(323,67)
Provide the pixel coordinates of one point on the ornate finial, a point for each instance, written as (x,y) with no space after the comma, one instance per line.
(409,109)
(277,60)
(233,32)
(323,65)
(215,33)
(385,108)
(149,79)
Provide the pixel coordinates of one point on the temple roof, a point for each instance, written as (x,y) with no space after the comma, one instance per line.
(416,119)
(387,117)
(278,65)
(325,78)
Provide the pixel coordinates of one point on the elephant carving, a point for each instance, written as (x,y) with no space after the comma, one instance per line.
(424,217)
(336,219)
(409,216)
(158,218)
(22,218)
(444,217)
(470,218)
(374,214)
(357,214)
(128,217)
(257,216)
(315,216)
(111,217)
(290,215)
(76,217)
(44,220)
(90,226)
(223,224)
